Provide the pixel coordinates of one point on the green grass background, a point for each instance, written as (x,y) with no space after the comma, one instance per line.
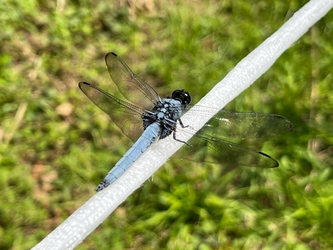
(56,146)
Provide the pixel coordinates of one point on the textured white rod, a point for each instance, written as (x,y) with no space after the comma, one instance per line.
(83,221)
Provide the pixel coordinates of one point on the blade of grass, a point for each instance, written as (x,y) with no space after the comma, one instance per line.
(16,123)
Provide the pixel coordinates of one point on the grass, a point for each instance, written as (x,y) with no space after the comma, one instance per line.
(56,146)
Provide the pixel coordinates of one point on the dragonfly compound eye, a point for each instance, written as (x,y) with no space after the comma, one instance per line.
(182,95)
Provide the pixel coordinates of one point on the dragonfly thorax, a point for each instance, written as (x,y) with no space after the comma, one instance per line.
(166,113)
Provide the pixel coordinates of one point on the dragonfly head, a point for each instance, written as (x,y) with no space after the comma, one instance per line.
(182,95)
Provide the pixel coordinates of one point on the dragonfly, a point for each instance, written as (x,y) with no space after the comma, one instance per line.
(146,118)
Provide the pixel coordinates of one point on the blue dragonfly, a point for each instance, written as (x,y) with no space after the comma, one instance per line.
(148,117)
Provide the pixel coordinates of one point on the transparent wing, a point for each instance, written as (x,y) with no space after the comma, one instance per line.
(216,150)
(126,115)
(130,85)
(238,125)
(208,146)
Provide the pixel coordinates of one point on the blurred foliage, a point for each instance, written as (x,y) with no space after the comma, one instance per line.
(56,145)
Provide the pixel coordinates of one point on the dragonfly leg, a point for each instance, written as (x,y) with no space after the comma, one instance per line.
(174,137)
(181,124)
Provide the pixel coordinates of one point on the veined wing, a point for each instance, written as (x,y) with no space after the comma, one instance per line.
(218,151)
(129,84)
(242,125)
(208,146)
(126,115)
